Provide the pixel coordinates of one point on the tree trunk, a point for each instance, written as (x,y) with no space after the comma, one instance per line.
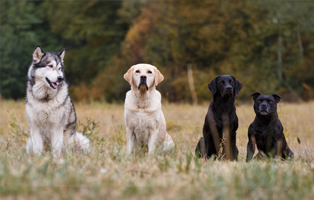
(301,50)
(279,53)
(191,84)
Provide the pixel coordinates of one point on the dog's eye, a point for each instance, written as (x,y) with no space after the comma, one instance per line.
(50,66)
(59,68)
(137,71)
(149,72)
(231,82)
(270,101)
(223,82)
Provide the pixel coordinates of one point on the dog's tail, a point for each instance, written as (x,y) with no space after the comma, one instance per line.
(167,145)
(79,142)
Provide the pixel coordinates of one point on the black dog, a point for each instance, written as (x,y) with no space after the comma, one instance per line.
(224,89)
(266,131)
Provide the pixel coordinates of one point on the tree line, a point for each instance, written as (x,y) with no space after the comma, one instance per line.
(267,45)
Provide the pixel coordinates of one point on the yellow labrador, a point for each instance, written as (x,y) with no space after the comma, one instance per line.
(144,119)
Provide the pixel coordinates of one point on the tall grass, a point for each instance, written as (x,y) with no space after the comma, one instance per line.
(107,172)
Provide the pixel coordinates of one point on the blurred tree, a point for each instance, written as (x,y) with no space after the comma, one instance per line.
(215,38)
(234,37)
(22,27)
(91,31)
(17,18)
(295,23)
(101,27)
(104,38)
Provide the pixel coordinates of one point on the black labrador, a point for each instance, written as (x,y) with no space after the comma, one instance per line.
(266,131)
(221,115)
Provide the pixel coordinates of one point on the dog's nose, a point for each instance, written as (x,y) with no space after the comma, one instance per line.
(143,77)
(60,78)
(229,88)
(264,105)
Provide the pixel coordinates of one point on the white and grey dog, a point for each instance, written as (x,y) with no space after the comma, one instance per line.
(49,109)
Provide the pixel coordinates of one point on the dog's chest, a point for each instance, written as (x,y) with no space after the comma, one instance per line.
(46,115)
(263,137)
(143,123)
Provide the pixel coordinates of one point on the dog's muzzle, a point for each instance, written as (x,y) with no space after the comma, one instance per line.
(263,110)
(55,85)
(228,91)
(143,82)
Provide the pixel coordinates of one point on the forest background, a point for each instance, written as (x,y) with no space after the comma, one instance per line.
(267,45)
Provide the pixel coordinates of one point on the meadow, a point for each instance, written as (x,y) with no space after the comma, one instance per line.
(107,173)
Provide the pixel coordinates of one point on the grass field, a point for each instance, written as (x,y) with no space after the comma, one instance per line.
(107,173)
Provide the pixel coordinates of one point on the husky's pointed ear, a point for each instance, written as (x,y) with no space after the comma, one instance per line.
(255,95)
(237,85)
(61,54)
(277,97)
(128,76)
(158,76)
(212,86)
(38,54)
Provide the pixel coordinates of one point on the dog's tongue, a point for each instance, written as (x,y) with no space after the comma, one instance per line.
(54,85)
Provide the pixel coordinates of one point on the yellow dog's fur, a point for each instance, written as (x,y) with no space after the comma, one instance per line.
(144,119)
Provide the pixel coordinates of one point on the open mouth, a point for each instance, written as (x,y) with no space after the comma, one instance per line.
(53,85)
(142,85)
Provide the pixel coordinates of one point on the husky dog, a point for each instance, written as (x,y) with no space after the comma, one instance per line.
(49,109)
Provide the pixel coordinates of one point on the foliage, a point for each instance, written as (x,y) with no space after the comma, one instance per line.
(247,39)
(92,32)
(90,130)
(19,136)
(17,38)
(234,37)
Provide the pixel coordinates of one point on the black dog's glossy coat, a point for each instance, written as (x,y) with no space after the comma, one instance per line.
(224,89)
(266,131)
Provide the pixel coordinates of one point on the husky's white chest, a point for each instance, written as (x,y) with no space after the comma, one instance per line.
(46,115)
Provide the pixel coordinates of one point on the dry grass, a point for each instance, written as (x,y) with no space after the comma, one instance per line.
(106,172)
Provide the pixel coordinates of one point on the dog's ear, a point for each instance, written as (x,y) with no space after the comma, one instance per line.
(255,95)
(237,85)
(128,76)
(61,54)
(212,86)
(277,97)
(158,76)
(38,54)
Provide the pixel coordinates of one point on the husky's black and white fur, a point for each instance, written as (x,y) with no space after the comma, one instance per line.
(49,109)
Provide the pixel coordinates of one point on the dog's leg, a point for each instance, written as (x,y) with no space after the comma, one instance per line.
(250,148)
(152,142)
(29,145)
(57,142)
(277,150)
(130,138)
(35,143)
(234,149)
(210,149)
(288,154)
(200,150)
